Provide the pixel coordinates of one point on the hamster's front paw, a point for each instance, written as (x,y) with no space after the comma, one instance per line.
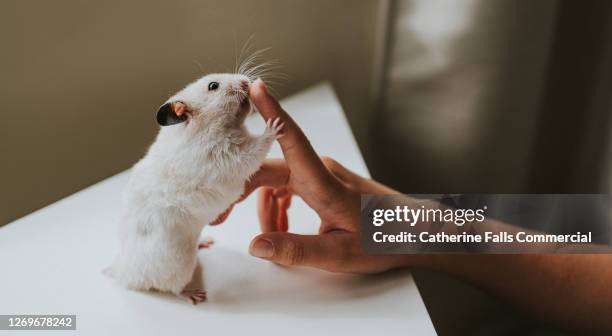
(274,128)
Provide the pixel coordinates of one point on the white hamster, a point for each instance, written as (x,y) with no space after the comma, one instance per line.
(196,168)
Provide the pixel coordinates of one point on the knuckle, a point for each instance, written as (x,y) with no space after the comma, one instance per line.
(289,146)
(330,163)
(293,253)
(293,138)
(338,170)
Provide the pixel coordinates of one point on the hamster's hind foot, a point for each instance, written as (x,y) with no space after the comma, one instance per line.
(205,243)
(194,296)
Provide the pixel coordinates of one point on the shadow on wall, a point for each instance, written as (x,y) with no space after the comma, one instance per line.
(496,96)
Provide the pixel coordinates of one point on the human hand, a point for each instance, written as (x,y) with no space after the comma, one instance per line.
(331,190)
(334,193)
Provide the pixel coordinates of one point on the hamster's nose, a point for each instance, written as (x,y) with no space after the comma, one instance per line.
(244,84)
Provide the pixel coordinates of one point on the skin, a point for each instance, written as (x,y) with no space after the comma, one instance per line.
(179,108)
(571,291)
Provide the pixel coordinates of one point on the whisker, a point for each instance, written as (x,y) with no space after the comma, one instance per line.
(250,61)
(235,53)
(251,67)
(245,49)
(199,65)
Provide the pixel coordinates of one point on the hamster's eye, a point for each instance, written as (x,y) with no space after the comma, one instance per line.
(213,86)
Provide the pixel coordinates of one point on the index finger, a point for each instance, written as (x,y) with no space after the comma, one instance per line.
(272,173)
(303,162)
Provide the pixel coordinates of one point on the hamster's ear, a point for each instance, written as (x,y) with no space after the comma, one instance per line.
(171,113)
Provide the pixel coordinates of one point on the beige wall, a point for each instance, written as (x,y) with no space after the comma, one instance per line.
(81,80)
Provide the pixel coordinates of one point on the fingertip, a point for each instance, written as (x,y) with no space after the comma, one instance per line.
(258,89)
(265,103)
(267,210)
(261,248)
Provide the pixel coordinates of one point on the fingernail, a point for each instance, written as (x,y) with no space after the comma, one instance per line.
(262,248)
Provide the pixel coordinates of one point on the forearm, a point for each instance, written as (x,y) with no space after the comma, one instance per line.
(572,291)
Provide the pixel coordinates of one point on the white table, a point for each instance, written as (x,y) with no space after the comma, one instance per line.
(51,262)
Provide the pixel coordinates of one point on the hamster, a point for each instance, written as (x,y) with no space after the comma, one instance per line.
(196,168)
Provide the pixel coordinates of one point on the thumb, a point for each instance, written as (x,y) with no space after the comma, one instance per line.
(320,251)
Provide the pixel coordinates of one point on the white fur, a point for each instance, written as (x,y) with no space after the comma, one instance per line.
(191,174)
